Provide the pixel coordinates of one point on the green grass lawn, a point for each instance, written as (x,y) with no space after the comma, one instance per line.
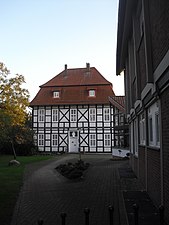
(11,178)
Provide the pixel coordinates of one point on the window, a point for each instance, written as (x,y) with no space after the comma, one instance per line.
(154,125)
(106,114)
(150,129)
(54,115)
(121,119)
(56,94)
(107,140)
(41,115)
(41,140)
(73,115)
(136,137)
(142,129)
(132,137)
(92,115)
(92,93)
(54,140)
(116,120)
(157,129)
(92,140)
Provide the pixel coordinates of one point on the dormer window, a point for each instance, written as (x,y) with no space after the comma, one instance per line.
(92,93)
(56,94)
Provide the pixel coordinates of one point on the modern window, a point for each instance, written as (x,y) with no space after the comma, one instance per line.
(92,93)
(54,140)
(142,129)
(154,125)
(41,140)
(132,137)
(107,140)
(92,115)
(136,141)
(150,129)
(92,140)
(157,128)
(56,94)
(41,115)
(106,115)
(55,115)
(73,115)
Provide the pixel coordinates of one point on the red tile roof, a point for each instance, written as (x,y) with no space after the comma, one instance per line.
(78,76)
(74,85)
(118,101)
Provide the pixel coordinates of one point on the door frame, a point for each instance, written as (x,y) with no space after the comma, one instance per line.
(76,139)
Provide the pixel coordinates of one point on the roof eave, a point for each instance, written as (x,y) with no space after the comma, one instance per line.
(117,104)
(123,32)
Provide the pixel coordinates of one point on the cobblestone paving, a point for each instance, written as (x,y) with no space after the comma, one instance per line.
(45,193)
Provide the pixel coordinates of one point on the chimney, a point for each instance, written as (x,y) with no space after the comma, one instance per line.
(88,67)
(65,74)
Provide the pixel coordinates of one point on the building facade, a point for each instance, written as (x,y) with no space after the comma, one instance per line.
(121,128)
(143,56)
(72,112)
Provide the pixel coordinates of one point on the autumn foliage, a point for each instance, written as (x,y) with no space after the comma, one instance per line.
(14,100)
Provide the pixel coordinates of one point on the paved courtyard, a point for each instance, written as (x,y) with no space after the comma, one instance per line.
(46,194)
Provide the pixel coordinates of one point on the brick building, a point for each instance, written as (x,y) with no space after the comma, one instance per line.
(72,112)
(143,56)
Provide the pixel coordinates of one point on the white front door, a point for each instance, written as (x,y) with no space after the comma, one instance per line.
(73,141)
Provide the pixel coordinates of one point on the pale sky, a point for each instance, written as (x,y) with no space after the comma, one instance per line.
(38,37)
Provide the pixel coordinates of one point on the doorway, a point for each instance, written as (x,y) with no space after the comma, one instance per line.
(73,141)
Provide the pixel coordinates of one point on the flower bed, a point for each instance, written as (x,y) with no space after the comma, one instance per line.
(73,170)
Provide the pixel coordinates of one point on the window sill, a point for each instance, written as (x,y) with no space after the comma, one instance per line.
(155,148)
(142,145)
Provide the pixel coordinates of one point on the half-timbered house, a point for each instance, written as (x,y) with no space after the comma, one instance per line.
(121,128)
(143,55)
(72,112)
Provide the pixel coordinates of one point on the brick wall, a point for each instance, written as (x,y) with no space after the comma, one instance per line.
(142,164)
(165,141)
(153,175)
(159,21)
(140,48)
(134,164)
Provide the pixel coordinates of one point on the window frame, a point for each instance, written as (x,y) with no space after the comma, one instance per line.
(142,130)
(92,114)
(41,116)
(154,125)
(56,94)
(157,128)
(55,116)
(92,93)
(54,140)
(73,115)
(41,140)
(92,140)
(150,130)
(107,140)
(106,115)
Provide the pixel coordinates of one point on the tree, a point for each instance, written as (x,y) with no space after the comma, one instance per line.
(14,100)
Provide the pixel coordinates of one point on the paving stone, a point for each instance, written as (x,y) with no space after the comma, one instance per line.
(46,194)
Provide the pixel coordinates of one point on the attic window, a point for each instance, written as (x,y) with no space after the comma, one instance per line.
(92,93)
(56,94)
